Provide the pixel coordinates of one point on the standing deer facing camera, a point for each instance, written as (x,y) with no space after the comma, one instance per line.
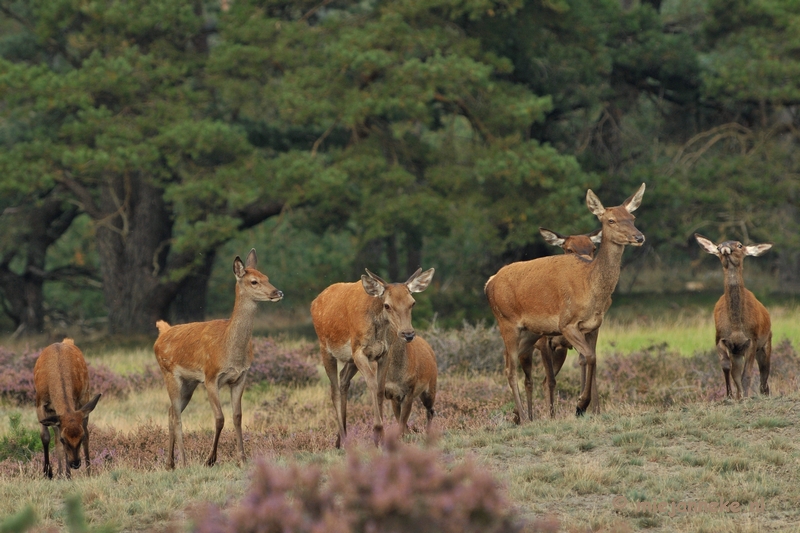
(61,379)
(215,353)
(562,295)
(744,330)
(554,347)
(357,323)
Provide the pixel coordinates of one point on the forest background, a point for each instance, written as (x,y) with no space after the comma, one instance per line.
(144,144)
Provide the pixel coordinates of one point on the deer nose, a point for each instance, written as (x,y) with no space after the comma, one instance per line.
(279,294)
(75,464)
(725,250)
(408,335)
(639,238)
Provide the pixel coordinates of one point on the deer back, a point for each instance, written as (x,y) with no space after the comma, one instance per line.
(61,377)
(344,313)
(199,347)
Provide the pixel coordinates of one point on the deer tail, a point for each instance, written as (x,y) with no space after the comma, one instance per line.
(162,326)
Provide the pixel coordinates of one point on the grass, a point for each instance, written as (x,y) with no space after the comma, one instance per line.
(606,472)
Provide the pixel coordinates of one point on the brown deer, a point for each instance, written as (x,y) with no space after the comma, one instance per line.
(744,330)
(562,295)
(411,374)
(61,380)
(356,323)
(555,347)
(215,353)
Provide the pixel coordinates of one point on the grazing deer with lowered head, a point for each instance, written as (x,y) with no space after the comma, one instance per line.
(562,295)
(215,353)
(744,330)
(61,380)
(411,374)
(555,347)
(356,324)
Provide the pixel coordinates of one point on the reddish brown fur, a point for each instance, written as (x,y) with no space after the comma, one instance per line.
(412,374)
(554,348)
(562,295)
(215,353)
(356,323)
(61,380)
(742,323)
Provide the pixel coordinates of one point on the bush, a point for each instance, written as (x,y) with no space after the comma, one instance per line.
(20,444)
(471,349)
(404,489)
(278,364)
(16,378)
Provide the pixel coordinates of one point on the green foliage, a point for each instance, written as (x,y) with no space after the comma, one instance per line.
(19,443)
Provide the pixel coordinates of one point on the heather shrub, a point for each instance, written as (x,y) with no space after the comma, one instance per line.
(473,349)
(404,489)
(275,363)
(16,378)
(20,443)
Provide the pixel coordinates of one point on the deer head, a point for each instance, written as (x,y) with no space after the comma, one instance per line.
(72,431)
(581,245)
(731,253)
(252,283)
(618,221)
(396,298)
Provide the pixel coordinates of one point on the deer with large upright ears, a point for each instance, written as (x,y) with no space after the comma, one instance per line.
(215,353)
(555,347)
(61,380)
(562,295)
(744,329)
(356,324)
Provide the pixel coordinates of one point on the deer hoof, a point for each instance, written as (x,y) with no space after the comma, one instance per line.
(580,412)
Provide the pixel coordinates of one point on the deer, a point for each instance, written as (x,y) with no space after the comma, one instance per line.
(356,324)
(61,381)
(555,347)
(411,374)
(742,323)
(562,295)
(216,353)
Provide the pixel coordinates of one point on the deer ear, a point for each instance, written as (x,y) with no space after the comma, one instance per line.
(594,204)
(252,259)
(418,282)
(633,203)
(372,286)
(90,405)
(757,249)
(551,237)
(596,236)
(707,245)
(238,268)
(50,421)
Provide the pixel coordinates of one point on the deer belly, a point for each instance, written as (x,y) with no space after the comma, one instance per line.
(343,353)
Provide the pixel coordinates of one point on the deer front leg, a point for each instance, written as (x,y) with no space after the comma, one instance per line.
(405,412)
(763,356)
(212,388)
(45,434)
(549,375)
(86,445)
(370,372)
(339,401)
(237,391)
(585,345)
(526,363)
(61,453)
(725,363)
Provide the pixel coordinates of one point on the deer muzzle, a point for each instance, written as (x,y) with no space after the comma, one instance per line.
(408,336)
(76,464)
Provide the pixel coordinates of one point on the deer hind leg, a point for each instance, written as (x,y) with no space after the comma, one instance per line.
(339,401)
(45,434)
(549,364)
(86,445)
(519,346)
(526,363)
(373,374)
(427,398)
(180,392)
(763,356)
(237,390)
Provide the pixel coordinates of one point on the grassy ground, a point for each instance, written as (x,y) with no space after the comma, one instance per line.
(607,472)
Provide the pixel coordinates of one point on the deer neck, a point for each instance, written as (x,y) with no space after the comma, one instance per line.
(734,296)
(605,268)
(240,329)
(398,359)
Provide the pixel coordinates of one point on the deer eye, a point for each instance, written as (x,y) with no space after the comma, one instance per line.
(740,245)
(413,304)
(387,306)
(612,221)
(254,282)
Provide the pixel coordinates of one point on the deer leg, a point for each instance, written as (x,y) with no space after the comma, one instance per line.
(737,370)
(396,408)
(526,363)
(237,391)
(86,445)
(725,363)
(763,355)
(45,434)
(405,413)
(346,375)
(549,374)
(339,401)
(522,349)
(427,400)
(371,376)
(180,392)
(212,388)
(585,345)
(60,452)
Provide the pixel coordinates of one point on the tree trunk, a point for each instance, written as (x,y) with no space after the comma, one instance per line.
(132,244)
